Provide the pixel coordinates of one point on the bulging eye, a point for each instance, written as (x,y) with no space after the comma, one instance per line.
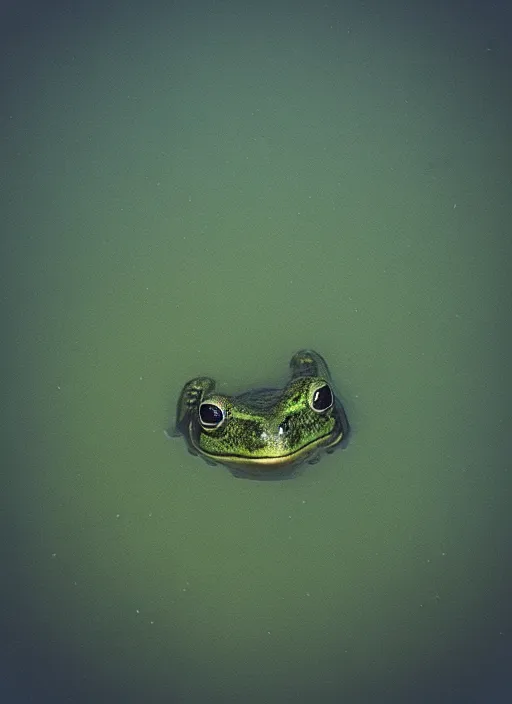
(322,399)
(210,415)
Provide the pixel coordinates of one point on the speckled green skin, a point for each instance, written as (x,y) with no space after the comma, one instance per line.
(266,431)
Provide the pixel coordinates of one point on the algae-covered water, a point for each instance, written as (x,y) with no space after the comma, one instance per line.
(203,189)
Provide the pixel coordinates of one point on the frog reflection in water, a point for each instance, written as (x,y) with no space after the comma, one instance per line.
(265,433)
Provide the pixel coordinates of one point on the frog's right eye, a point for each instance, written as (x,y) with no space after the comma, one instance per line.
(211,415)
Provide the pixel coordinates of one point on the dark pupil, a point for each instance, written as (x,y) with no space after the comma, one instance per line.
(322,398)
(210,415)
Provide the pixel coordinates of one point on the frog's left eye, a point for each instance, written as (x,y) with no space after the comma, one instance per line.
(210,415)
(322,399)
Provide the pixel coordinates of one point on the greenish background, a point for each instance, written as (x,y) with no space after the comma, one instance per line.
(204,188)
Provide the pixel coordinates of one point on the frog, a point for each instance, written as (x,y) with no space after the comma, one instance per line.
(265,433)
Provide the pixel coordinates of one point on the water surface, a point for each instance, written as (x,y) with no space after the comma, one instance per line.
(203,192)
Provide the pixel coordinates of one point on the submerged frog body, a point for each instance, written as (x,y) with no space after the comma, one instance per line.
(265,433)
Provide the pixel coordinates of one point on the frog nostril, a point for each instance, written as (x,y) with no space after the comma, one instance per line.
(284,427)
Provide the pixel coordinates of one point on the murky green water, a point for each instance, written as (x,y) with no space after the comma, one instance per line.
(205,192)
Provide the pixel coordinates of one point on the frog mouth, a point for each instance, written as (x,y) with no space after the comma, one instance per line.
(276,461)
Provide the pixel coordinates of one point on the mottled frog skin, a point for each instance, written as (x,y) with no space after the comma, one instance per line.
(265,433)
